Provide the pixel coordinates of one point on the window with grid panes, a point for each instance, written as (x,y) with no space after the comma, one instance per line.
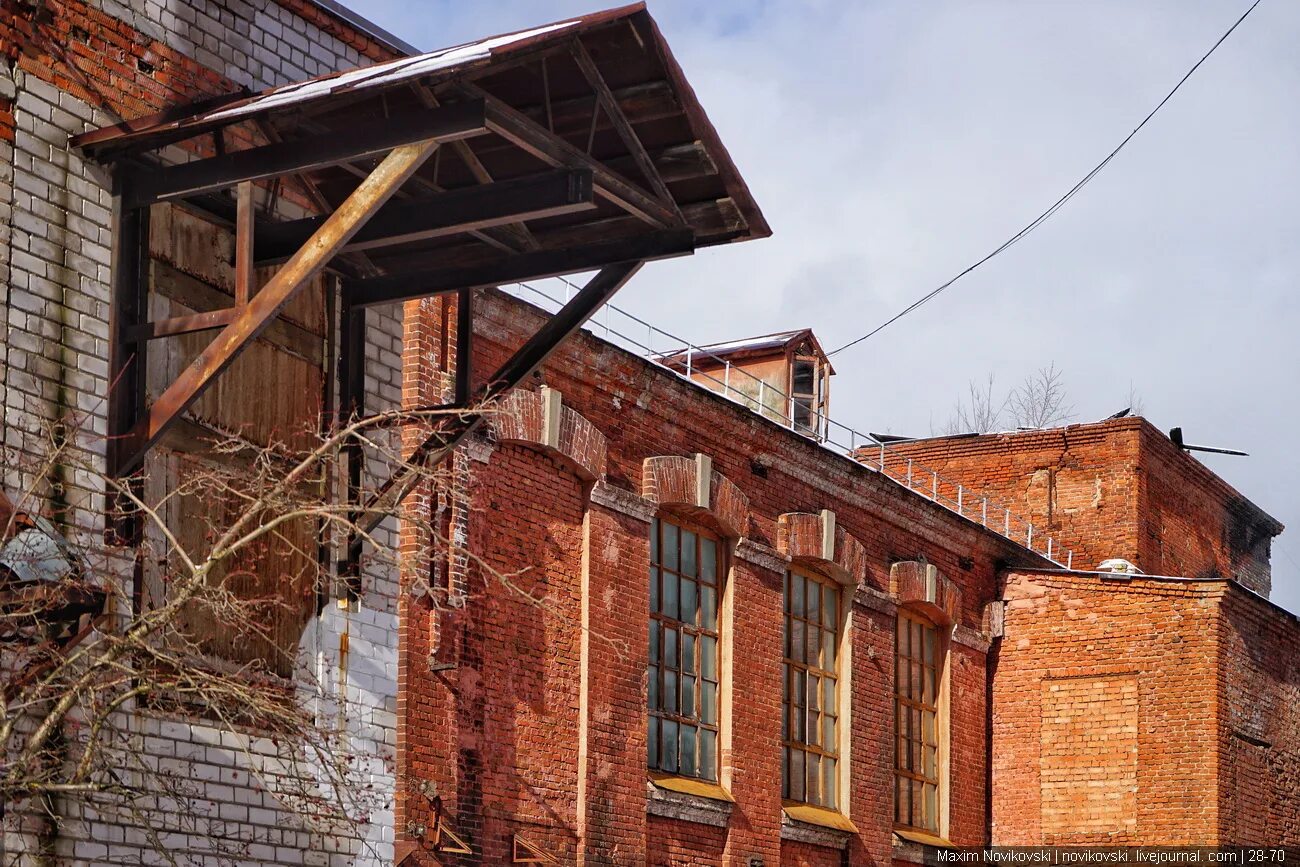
(810,700)
(683,694)
(916,719)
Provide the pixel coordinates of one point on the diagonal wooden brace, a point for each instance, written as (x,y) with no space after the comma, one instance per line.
(262,308)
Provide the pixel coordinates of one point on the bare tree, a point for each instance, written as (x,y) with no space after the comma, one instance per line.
(208,630)
(979,412)
(1040,401)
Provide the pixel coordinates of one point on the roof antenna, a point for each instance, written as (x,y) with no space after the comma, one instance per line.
(1176,434)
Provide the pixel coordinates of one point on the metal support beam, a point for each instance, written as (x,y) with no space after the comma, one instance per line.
(244,230)
(519,366)
(513,269)
(255,316)
(126,362)
(518,128)
(452,122)
(463,210)
(352,399)
(609,102)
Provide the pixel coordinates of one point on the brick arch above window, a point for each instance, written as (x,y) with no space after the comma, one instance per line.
(541,420)
(692,483)
(921,586)
(815,539)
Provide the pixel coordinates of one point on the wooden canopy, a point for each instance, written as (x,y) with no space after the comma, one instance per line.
(575,146)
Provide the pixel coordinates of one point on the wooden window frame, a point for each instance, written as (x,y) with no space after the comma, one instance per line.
(920,760)
(796,667)
(700,631)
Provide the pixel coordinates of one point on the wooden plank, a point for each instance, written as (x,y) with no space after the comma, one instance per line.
(244,244)
(514,269)
(255,316)
(621,125)
(553,150)
(193,293)
(463,210)
(461,120)
(186,324)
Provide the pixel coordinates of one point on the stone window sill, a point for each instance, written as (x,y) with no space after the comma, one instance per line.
(689,800)
(918,847)
(819,826)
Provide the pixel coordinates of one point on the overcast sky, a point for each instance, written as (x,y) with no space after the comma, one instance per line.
(890,144)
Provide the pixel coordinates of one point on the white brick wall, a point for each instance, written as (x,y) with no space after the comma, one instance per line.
(54,309)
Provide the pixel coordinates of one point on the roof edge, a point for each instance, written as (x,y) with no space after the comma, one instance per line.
(363,25)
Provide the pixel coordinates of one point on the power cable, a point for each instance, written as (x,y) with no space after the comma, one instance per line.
(1058,204)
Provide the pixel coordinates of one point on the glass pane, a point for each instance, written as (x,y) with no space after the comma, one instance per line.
(928,695)
(669,692)
(829,742)
(814,777)
(931,808)
(652,743)
(916,756)
(708,754)
(830,607)
(669,550)
(900,799)
(668,746)
(654,641)
(797,640)
(709,657)
(688,602)
(931,769)
(688,696)
(654,589)
(829,784)
(829,650)
(652,685)
(916,681)
(828,695)
(800,690)
(813,728)
(902,638)
(797,775)
(670,647)
(688,765)
(803,377)
(708,607)
(814,601)
(930,640)
(709,702)
(785,773)
(796,594)
(688,653)
(931,736)
(814,692)
(670,608)
(688,554)
(918,801)
(708,560)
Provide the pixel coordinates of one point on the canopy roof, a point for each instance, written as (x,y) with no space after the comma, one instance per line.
(599,93)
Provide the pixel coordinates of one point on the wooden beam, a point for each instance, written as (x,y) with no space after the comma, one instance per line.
(514,269)
(553,150)
(461,120)
(462,210)
(258,314)
(187,324)
(244,244)
(621,125)
(518,367)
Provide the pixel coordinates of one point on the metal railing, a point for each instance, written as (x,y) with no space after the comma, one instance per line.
(617,326)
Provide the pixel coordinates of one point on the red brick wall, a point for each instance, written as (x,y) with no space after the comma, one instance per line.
(646,412)
(1112,489)
(1072,646)
(1259,734)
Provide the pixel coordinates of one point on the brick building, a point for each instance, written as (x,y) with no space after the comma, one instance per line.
(953,684)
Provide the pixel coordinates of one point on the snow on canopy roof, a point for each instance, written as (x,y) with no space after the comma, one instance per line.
(761,343)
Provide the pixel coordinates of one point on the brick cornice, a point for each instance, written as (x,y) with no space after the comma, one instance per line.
(691,482)
(540,419)
(817,540)
(762,556)
(623,501)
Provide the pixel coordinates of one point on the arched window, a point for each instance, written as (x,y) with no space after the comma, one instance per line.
(918,683)
(810,722)
(683,695)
